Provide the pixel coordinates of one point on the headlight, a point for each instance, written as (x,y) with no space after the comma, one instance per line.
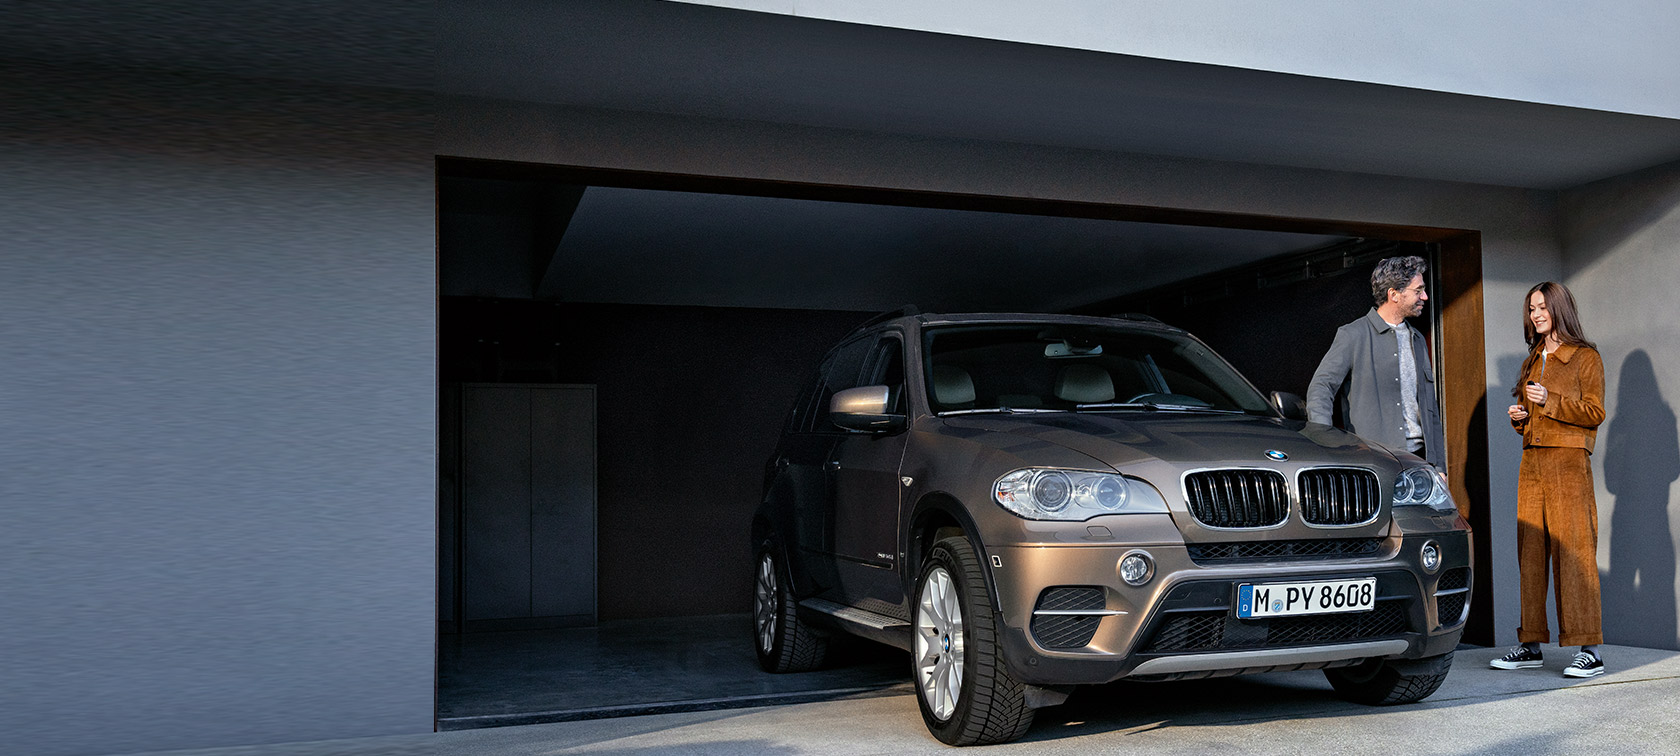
(1047,494)
(1422,486)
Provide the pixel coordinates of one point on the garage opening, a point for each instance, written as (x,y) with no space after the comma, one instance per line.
(618,351)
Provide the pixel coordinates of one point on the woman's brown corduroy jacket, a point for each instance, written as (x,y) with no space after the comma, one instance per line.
(1571,371)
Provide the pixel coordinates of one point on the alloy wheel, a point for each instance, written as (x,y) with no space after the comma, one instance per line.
(939,644)
(765,603)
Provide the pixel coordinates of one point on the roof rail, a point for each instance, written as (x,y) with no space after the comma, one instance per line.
(1138,316)
(886,316)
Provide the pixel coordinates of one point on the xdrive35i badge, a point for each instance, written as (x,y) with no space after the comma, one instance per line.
(1277,455)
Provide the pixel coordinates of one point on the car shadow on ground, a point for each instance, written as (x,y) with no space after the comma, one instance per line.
(1142,706)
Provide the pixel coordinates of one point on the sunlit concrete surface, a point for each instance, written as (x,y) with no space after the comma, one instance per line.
(1630,709)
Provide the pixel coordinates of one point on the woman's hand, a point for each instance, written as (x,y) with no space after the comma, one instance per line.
(1536,393)
(1517,413)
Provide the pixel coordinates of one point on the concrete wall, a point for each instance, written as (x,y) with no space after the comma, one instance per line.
(217,405)
(1518,226)
(1617,55)
(1622,261)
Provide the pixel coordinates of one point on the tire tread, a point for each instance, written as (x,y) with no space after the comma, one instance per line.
(1388,686)
(798,646)
(997,711)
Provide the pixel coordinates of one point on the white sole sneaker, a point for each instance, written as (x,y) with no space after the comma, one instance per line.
(1573,672)
(1502,664)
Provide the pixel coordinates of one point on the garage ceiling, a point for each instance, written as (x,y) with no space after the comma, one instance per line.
(638,246)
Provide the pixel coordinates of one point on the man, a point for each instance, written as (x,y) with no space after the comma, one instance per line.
(1378,372)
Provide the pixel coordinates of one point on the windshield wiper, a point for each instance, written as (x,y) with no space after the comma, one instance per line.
(1156,407)
(998,411)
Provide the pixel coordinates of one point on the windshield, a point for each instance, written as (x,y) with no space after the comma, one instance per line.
(1061,368)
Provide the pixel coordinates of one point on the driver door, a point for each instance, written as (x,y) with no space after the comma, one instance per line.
(864,469)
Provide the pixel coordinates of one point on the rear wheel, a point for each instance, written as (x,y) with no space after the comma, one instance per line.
(963,689)
(1385,682)
(783,642)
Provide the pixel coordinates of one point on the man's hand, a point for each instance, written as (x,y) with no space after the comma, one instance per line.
(1517,413)
(1536,393)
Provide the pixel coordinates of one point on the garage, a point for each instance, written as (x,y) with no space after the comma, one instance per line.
(618,351)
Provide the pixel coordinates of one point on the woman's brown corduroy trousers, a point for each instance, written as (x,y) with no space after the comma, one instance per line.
(1557,521)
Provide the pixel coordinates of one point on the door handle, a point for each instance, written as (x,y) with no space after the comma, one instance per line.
(834,464)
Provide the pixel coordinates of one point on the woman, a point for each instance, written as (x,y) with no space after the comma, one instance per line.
(1560,403)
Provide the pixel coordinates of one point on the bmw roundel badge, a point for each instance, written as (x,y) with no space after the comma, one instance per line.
(1277,455)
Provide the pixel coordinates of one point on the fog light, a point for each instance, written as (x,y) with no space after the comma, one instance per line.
(1430,556)
(1136,568)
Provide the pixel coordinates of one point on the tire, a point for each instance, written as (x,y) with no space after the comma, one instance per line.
(962,686)
(1380,682)
(784,643)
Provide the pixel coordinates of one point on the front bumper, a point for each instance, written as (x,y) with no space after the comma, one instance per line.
(1182,623)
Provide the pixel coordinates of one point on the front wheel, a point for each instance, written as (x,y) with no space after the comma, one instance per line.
(963,689)
(1380,682)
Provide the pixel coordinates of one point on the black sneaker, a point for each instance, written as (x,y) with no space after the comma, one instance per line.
(1585,665)
(1519,658)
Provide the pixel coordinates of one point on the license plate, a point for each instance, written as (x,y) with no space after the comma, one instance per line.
(1319,597)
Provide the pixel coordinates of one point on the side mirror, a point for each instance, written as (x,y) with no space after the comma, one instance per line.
(1290,405)
(864,409)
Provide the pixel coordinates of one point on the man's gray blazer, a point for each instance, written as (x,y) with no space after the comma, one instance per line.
(1361,375)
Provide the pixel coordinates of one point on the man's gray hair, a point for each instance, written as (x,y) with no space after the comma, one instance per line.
(1395,273)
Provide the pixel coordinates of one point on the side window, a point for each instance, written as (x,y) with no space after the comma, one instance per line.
(886,367)
(840,372)
(800,420)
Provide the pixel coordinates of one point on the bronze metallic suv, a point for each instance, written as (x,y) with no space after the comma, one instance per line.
(1027,503)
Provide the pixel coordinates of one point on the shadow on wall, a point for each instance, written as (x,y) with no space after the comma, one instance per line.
(1641,458)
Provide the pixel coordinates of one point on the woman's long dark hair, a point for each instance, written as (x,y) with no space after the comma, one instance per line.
(1566,323)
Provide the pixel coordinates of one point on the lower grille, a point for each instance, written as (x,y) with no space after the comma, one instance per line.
(1284,551)
(1067,630)
(1064,630)
(1220,630)
(1449,608)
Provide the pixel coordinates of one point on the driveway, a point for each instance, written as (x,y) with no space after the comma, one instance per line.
(1631,709)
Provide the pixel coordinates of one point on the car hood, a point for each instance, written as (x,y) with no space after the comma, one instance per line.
(1144,442)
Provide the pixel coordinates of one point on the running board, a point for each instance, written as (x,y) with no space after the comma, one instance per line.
(876,627)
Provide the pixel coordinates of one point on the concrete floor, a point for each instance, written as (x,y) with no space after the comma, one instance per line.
(1631,709)
(638,667)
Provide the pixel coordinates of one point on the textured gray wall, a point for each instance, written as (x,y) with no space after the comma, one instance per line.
(1518,226)
(217,404)
(1622,261)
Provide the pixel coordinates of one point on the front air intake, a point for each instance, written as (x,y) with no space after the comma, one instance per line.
(1237,498)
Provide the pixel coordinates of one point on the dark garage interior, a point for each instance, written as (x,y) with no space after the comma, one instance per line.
(617,354)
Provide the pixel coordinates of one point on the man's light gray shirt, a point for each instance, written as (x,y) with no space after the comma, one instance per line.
(1408,386)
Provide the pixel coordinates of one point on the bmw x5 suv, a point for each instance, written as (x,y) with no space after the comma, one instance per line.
(1028,503)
